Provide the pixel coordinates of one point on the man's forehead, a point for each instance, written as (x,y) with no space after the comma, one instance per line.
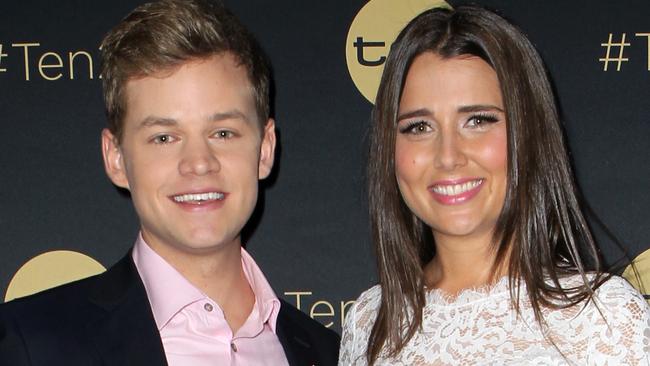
(219,74)
(165,70)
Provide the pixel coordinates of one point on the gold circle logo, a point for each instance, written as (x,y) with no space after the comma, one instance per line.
(49,270)
(372,32)
(640,278)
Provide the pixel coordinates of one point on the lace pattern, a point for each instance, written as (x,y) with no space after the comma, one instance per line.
(480,327)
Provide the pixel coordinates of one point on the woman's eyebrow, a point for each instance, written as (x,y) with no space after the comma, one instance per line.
(422,112)
(478,108)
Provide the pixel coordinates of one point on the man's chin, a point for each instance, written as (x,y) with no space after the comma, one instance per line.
(206,246)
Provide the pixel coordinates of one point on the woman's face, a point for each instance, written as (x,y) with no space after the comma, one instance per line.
(451,145)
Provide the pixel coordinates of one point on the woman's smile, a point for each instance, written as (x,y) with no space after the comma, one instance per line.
(454,192)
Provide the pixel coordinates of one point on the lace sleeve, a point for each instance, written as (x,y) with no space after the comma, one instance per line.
(621,335)
(357,327)
(347,338)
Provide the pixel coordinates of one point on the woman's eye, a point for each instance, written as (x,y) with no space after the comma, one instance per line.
(481,120)
(416,128)
(163,139)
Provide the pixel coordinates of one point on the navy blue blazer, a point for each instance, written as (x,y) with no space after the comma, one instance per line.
(107,320)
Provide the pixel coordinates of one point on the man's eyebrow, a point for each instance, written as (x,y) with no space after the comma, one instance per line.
(231,114)
(478,108)
(151,121)
(422,112)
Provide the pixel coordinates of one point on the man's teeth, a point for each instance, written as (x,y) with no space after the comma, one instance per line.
(454,189)
(199,197)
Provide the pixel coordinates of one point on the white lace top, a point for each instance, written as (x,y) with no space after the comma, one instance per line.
(480,327)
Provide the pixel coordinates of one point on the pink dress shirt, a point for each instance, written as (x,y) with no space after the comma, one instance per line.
(192,327)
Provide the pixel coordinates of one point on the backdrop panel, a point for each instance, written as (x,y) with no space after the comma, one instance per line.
(310,231)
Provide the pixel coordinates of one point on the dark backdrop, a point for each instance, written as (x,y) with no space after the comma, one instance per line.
(310,233)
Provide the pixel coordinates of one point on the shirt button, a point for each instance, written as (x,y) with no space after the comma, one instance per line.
(208,307)
(233,346)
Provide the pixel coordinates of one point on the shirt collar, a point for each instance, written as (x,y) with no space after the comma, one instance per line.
(161,280)
(266,302)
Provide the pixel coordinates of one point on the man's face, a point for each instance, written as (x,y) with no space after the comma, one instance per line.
(191,154)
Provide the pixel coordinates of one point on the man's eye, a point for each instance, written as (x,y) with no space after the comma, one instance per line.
(162,139)
(224,134)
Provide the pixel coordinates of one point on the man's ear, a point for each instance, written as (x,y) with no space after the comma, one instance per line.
(267,149)
(113,159)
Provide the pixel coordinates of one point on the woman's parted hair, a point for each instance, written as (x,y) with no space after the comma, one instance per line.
(159,36)
(541,233)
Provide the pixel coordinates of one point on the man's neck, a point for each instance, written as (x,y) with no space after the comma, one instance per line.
(218,273)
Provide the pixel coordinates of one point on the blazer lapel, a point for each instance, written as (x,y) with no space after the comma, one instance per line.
(295,341)
(126,333)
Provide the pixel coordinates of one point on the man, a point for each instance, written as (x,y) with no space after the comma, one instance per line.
(187,98)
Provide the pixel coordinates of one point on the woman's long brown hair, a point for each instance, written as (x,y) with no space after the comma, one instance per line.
(541,235)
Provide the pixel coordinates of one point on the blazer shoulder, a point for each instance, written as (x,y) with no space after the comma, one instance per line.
(63,296)
(72,302)
(35,327)
(105,317)
(306,341)
(299,319)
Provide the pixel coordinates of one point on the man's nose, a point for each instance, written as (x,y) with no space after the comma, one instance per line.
(198,158)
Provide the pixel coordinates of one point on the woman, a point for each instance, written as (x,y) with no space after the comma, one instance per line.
(482,247)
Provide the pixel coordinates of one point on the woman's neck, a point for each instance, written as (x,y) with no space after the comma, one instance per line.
(462,263)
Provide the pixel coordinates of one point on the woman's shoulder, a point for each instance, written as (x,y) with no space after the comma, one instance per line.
(619,319)
(616,286)
(368,301)
(618,297)
(609,327)
(364,311)
(610,294)
(372,293)
(604,285)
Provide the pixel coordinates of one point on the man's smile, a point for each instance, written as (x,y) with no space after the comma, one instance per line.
(199,198)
